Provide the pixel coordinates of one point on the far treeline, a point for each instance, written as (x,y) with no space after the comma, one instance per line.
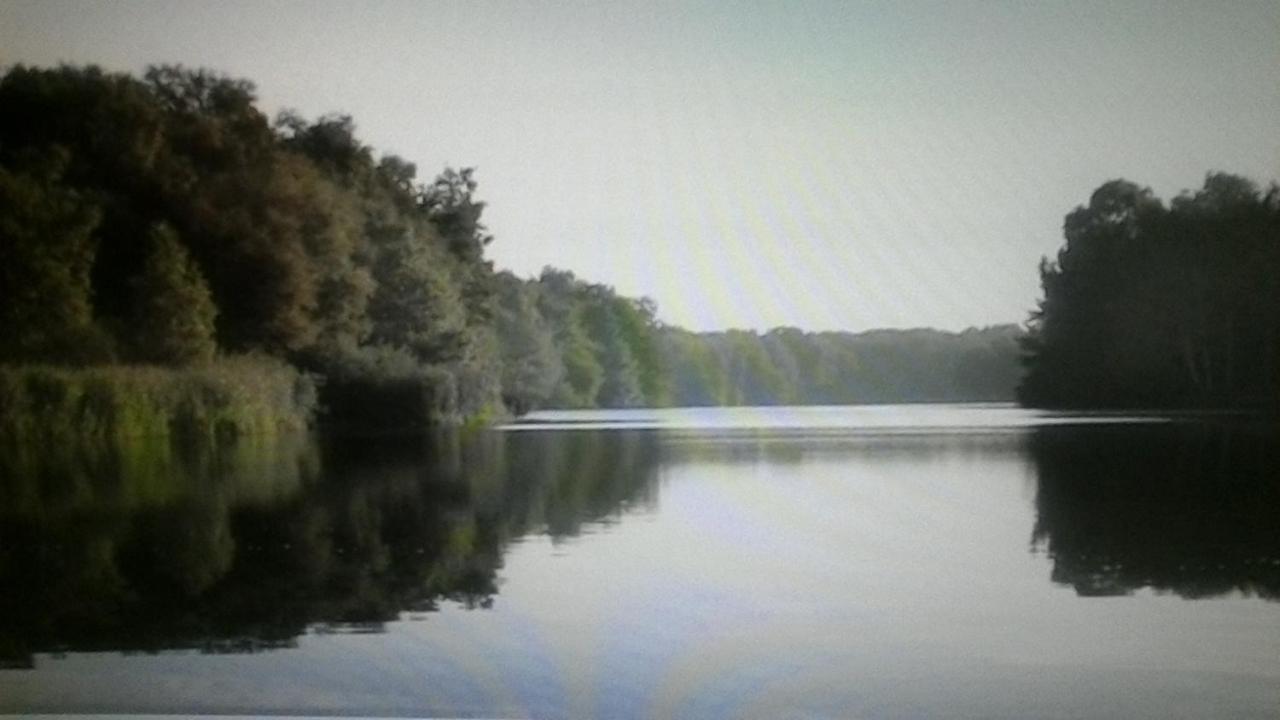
(567,343)
(165,221)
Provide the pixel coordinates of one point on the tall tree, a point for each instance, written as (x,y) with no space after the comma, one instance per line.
(47,250)
(531,366)
(174,321)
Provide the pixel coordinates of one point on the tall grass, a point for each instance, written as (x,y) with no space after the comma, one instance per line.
(230,397)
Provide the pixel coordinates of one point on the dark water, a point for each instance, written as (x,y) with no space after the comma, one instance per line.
(832,562)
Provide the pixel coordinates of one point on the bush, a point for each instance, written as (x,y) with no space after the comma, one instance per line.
(425,397)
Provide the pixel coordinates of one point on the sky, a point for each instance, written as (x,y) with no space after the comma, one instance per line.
(825,165)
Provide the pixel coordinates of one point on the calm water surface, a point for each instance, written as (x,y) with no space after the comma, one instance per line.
(877,562)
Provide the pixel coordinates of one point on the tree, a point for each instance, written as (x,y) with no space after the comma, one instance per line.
(559,305)
(1148,305)
(531,366)
(47,249)
(415,305)
(449,203)
(620,387)
(174,320)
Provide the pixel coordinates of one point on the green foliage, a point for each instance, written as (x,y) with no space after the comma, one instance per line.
(531,365)
(789,366)
(607,343)
(558,303)
(1155,306)
(166,216)
(697,376)
(583,375)
(416,305)
(47,251)
(174,319)
(610,351)
(449,204)
(290,239)
(234,396)
(620,385)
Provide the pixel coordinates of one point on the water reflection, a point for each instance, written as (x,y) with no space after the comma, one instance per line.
(1192,509)
(244,547)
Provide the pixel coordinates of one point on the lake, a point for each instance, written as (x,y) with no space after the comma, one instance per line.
(852,562)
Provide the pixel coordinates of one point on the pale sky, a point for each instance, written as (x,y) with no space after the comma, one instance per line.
(828,165)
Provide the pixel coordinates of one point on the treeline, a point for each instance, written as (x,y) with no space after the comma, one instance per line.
(1155,305)
(569,343)
(165,220)
(787,366)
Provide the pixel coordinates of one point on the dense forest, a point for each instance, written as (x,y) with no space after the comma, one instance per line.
(166,221)
(1155,305)
(789,366)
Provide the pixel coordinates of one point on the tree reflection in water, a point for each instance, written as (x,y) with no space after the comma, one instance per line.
(244,547)
(1187,508)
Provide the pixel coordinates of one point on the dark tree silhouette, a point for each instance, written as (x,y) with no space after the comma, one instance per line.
(1148,305)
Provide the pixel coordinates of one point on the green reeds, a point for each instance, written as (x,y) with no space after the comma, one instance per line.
(238,396)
